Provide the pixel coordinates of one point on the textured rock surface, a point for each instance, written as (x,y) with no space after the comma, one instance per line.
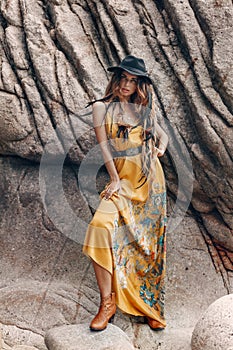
(69,337)
(54,56)
(23,347)
(47,282)
(53,59)
(214,330)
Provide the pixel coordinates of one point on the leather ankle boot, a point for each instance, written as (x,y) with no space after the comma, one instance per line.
(155,325)
(106,313)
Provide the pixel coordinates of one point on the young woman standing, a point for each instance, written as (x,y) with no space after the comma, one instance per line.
(126,237)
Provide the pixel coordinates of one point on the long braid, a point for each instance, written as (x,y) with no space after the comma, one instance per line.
(149,134)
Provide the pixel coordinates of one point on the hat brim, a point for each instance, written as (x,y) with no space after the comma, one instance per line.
(116,68)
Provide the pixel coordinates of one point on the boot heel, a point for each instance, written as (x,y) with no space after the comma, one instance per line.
(111,319)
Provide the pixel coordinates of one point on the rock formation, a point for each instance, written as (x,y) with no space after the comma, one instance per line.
(214,330)
(54,56)
(53,59)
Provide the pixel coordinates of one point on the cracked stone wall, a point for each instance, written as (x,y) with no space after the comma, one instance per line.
(53,59)
(54,56)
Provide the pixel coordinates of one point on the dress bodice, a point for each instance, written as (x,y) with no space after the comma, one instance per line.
(123,136)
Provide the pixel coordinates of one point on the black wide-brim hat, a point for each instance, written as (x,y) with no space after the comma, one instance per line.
(132,65)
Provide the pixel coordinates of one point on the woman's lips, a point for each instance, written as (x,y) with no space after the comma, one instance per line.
(125,90)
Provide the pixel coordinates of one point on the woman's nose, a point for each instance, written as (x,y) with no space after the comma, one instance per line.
(127,82)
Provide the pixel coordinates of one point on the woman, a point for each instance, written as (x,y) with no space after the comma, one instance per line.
(126,237)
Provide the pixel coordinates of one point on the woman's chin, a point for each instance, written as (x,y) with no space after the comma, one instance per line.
(125,96)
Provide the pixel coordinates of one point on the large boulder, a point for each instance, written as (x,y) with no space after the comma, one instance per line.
(80,337)
(214,330)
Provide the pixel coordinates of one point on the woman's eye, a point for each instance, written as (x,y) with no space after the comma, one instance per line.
(132,81)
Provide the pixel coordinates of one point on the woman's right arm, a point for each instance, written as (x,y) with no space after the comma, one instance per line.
(99,112)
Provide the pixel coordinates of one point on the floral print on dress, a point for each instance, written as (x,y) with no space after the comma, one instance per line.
(143,256)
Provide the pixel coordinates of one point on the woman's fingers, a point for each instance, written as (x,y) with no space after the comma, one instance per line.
(110,191)
(158,152)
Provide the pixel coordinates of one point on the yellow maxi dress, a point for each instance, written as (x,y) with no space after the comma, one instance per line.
(127,233)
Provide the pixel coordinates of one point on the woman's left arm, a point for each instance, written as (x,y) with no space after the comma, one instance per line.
(163,140)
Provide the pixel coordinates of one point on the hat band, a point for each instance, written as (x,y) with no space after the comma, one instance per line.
(133,70)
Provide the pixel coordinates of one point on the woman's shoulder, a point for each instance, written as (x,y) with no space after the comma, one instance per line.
(99,106)
(98,103)
(99,110)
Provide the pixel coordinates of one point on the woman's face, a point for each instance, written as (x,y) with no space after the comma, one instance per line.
(128,84)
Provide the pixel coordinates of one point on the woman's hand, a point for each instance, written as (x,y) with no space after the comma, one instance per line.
(158,152)
(163,141)
(113,187)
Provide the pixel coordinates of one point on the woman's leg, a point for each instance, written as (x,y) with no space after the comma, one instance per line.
(104,280)
(107,307)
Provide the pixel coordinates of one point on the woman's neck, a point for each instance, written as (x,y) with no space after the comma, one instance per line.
(124,99)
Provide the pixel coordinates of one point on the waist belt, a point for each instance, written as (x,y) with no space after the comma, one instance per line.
(129,152)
